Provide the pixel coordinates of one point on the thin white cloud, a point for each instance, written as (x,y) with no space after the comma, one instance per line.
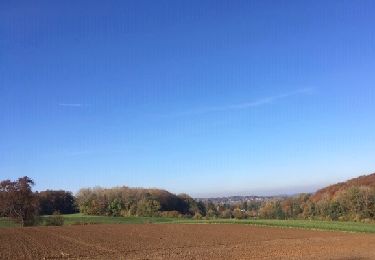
(240,106)
(71,105)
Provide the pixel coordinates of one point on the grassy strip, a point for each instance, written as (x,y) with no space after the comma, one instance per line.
(304,224)
(80,219)
(6,222)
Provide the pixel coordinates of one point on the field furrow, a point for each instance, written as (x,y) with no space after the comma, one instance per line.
(182,241)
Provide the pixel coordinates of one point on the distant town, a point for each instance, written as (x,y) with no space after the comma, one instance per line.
(234,200)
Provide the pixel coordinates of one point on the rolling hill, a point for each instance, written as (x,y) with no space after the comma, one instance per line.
(364,180)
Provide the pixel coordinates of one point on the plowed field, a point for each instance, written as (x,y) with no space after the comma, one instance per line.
(181,241)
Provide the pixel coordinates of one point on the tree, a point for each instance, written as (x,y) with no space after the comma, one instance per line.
(148,208)
(192,205)
(125,201)
(239,214)
(272,210)
(201,208)
(17,201)
(357,202)
(244,205)
(227,213)
(329,209)
(287,207)
(197,216)
(56,201)
(212,213)
(93,201)
(308,210)
(115,207)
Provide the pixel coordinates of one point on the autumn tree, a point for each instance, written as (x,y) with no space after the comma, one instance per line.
(125,201)
(56,201)
(192,205)
(238,213)
(211,210)
(357,202)
(272,209)
(226,213)
(18,202)
(115,207)
(148,207)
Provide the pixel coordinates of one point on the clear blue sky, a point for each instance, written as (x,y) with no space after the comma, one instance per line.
(203,97)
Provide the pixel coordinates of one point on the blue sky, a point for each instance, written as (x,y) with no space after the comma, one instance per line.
(204,97)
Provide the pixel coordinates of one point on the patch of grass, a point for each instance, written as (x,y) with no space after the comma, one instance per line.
(54,220)
(80,219)
(304,224)
(6,222)
(321,225)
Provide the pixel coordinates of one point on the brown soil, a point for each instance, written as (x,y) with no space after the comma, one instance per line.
(178,241)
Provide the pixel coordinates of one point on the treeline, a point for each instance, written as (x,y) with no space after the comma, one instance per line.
(19,202)
(125,201)
(354,201)
(51,201)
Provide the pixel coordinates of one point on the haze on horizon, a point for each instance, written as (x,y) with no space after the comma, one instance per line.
(202,97)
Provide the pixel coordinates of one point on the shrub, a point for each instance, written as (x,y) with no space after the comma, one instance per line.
(197,215)
(115,207)
(211,213)
(271,210)
(55,220)
(32,221)
(226,213)
(170,214)
(239,214)
(148,208)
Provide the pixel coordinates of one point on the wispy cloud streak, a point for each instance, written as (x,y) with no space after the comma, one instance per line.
(240,106)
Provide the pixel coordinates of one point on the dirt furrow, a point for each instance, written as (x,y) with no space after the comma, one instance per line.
(178,241)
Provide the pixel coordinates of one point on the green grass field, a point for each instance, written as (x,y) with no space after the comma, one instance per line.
(305,224)
(80,219)
(5,222)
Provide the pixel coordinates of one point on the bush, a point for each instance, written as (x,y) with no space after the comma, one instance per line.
(367,220)
(115,207)
(226,213)
(148,208)
(197,216)
(271,210)
(32,221)
(170,214)
(239,214)
(55,220)
(211,213)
